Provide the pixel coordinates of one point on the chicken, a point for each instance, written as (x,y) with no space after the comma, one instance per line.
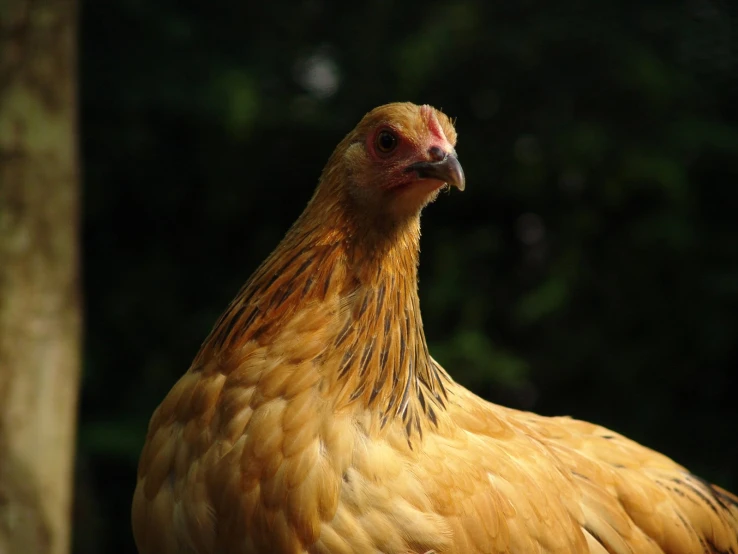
(314,420)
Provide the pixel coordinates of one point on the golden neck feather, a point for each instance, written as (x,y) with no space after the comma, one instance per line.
(372,270)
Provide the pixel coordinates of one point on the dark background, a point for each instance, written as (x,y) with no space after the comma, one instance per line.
(590,268)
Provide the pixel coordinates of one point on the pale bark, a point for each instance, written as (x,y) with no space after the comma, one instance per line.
(40,317)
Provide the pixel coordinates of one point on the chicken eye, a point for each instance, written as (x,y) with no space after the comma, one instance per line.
(386,142)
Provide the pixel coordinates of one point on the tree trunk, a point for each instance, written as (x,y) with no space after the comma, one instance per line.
(40,321)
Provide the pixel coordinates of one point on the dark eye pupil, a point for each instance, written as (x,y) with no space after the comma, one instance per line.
(387,141)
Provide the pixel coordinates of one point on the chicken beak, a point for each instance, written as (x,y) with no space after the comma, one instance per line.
(447,170)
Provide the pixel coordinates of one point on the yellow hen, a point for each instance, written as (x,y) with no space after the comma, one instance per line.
(314,420)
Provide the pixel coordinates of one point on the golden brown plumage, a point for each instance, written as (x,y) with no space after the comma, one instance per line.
(314,420)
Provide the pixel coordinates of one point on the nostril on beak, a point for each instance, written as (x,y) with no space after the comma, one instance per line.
(436,154)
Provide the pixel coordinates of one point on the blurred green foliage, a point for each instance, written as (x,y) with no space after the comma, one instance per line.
(591,267)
